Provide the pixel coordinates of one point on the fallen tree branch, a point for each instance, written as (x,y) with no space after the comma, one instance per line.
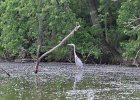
(39,59)
(5,72)
(135,59)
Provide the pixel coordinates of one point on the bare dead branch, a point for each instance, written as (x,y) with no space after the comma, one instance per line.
(71,33)
(38,49)
(135,59)
(137,54)
(5,72)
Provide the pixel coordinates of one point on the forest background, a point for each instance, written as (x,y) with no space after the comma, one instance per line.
(109,32)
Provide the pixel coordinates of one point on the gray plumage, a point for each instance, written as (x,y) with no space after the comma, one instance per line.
(78,61)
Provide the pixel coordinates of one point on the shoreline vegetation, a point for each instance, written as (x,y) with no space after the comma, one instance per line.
(30,60)
(108,31)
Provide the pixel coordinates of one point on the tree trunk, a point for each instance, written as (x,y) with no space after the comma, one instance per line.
(104,45)
(93,11)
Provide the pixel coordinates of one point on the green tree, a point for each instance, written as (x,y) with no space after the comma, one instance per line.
(23,21)
(129,24)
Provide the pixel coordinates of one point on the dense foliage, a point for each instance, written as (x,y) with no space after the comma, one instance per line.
(129,24)
(110,29)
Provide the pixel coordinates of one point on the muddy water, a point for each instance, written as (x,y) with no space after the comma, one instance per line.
(62,81)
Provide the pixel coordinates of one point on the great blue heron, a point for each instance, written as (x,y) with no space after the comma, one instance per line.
(78,62)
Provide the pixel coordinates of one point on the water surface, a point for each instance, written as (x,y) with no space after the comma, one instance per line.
(62,81)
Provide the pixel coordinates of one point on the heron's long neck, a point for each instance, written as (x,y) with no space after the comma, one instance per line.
(74,51)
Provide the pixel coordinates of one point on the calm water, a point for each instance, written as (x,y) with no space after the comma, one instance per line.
(65,82)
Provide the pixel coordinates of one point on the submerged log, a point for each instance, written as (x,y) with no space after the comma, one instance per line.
(23,60)
(5,72)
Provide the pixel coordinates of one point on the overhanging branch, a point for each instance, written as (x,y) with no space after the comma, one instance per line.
(39,59)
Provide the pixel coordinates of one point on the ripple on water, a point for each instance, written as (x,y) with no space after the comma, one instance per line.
(55,81)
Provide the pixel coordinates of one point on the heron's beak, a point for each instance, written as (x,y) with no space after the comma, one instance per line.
(69,44)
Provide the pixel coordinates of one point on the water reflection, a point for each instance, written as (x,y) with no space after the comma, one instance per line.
(74,94)
(36,87)
(78,77)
